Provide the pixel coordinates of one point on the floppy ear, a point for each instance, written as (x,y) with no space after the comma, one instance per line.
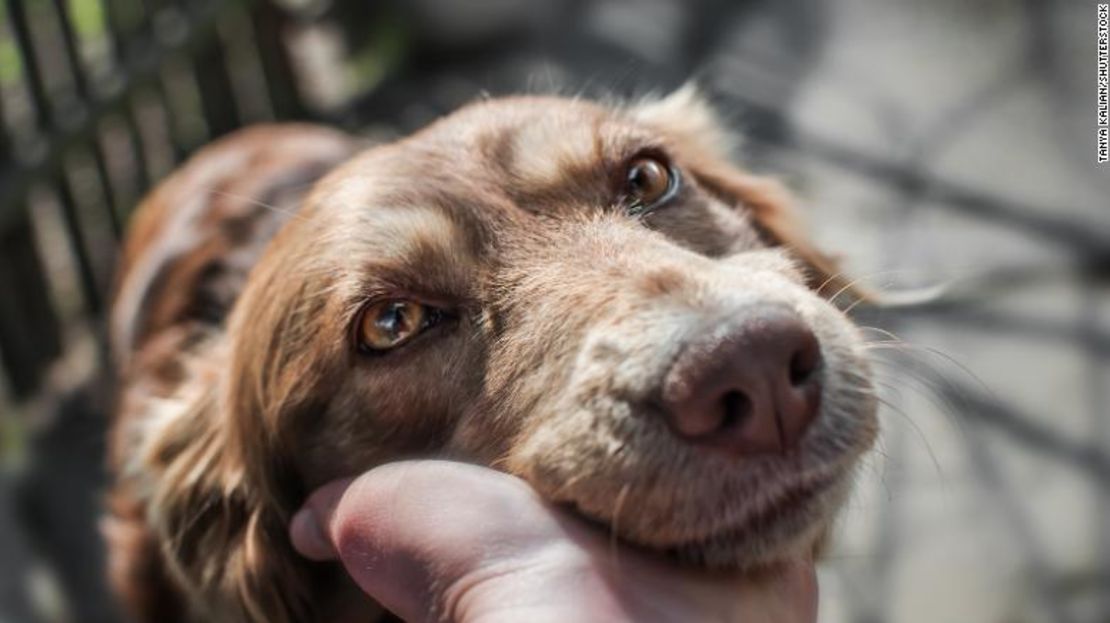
(220,455)
(707,145)
(223,535)
(226,484)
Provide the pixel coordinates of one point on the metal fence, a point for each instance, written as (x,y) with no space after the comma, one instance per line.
(98,99)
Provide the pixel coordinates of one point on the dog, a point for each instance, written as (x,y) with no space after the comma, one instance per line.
(588,296)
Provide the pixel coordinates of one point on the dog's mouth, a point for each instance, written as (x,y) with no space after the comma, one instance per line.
(788,523)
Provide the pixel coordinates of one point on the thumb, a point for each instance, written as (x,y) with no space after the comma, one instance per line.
(406,532)
(307,529)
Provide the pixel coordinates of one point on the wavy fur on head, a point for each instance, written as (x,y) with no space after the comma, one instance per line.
(245,272)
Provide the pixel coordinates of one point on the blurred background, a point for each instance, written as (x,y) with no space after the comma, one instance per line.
(943,148)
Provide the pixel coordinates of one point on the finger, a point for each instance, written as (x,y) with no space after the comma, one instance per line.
(407,531)
(306,530)
(788,593)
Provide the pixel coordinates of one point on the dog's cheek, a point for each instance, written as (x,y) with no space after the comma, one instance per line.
(517,393)
(390,410)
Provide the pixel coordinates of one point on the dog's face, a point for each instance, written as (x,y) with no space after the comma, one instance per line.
(587,297)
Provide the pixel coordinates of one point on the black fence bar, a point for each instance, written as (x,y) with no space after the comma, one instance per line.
(75,235)
(167,102)
(6,155)
(29,334)
(270,25)
(178,144)
(120,38)
(28,324)
(129,113)
(138,148)
(217,95)
(106,187)
(81,84)
(69,42)
(17,16)
(22,353)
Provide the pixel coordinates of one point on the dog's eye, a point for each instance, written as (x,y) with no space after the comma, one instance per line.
(649,183)
(389,324)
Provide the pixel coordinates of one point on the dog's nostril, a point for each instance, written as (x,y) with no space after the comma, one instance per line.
(804,363)
(737,409)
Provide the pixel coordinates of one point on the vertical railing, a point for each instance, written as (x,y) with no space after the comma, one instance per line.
(165,85)
(29,334)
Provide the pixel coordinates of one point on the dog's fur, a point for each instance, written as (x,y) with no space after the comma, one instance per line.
(242,391)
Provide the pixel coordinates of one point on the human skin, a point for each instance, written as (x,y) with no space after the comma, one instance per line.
(444,541)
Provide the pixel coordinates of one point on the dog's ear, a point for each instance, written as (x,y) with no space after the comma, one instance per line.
(223,536)
(707,145)
(231,487)
(222,454)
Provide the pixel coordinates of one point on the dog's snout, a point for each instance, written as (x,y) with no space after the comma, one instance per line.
(755,389)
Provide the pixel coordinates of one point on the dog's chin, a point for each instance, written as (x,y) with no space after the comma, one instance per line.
(790,526)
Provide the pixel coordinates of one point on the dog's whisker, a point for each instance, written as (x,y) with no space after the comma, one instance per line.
(910,348)
(255,202)
(614,525)
(898,344)
(859,301)
(919,433)
(870,463)
(925,386)
(894,272)
(926,392)
(845,288)
(830,279)
(881,331)
(858,280)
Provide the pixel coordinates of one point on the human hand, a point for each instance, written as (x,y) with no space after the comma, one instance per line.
(438,540)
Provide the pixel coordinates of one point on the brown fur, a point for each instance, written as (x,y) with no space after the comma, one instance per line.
(566,312)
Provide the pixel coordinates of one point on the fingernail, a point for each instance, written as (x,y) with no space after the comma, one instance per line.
(308,536)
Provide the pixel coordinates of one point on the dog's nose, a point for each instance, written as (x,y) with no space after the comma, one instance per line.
(753,390)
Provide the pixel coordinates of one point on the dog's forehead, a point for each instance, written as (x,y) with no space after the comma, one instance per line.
(532,144)
(481,159)
(464,182)
(488,123)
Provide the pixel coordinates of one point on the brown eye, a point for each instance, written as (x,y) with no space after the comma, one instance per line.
(648,183)
(389,324)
